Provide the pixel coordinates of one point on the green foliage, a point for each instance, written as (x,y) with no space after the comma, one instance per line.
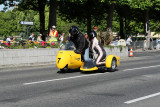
(142,4)
(9,22)
(132,12)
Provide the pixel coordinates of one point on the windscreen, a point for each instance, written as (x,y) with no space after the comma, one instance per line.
(68,46)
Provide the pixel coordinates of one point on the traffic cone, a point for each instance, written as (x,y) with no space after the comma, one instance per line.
(131,53)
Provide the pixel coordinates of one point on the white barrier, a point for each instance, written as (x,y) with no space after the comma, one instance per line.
(25,57)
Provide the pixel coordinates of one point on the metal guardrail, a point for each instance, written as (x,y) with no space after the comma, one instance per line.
(140,44)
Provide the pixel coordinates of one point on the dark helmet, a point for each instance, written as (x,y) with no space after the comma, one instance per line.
(92,35)
(74,31)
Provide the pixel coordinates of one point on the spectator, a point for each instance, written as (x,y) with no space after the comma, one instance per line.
(47,37)
(5,37)
(158,43)
(151,43)
(119,37)
(86,35)
(158,40)
(116,39)
(145,45)
(61,38)
(95,31)
(8,40)
(53,34)
(12,39)
(68,38)
(39,39)
(128,42)
(32,38)
(21,37)
(69,43)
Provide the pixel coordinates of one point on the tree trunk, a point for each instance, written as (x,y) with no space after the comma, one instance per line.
(88,16)
(10,3)
(147,29)
(42,17)
(110,17)
(52,14)
(121,27)
(108,38)
(88,23)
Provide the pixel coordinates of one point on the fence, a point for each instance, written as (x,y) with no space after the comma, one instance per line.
(140,45)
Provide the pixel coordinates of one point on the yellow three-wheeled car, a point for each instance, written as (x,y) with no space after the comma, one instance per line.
(68,59)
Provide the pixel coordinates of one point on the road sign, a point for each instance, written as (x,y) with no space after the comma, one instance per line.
(26,23)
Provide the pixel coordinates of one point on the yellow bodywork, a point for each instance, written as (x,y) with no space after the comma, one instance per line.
(118,60)
(109,60)
(69,58)
(90,69)
(73,61)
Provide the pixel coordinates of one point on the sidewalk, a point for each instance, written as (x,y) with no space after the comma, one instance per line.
(140,53)
(141,50)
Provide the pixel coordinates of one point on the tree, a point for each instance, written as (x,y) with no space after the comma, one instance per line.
(52,13)
(84,11)
(37,5)
(145,6)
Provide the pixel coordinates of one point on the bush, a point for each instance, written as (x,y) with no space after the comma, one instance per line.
(106,37)
(28,45)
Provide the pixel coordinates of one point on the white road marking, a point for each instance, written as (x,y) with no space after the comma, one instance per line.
(141,68)
(83,76)
(142,98)
(148,76)
(61,79)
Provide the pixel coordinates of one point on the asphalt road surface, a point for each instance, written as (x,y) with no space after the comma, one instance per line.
(136,83)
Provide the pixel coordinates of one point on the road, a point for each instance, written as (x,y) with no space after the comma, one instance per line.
(134,84)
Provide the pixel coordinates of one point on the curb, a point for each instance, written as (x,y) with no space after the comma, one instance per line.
(27,66)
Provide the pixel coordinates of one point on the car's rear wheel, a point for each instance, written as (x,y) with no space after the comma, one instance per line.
(113,65)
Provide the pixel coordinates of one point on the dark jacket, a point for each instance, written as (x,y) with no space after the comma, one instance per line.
(80,42)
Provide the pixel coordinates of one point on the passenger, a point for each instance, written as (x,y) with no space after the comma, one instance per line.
(79,41)
(97,48)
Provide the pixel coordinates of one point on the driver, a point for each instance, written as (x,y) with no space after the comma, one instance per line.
(97,48)
(79,41)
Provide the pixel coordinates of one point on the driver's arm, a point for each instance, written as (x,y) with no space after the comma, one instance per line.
(82,43)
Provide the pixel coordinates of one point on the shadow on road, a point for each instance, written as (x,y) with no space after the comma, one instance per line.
(84,72)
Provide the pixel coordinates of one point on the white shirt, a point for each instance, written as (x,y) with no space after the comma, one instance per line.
(128,42)
(32,37)
(8,40)
(61,38)
(95,44)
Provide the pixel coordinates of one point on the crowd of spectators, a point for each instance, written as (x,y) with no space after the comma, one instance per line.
(53,38)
